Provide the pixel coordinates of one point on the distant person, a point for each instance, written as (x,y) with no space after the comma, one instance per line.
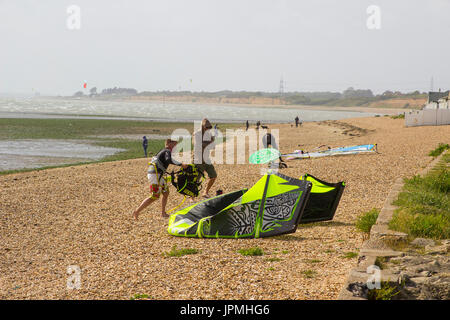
(155,174)
(258,123)
(296,121)
(269,140)
(246,126)
(145,145)
(202,161)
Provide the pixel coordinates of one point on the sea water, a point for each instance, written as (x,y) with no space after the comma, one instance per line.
(19,154)
(160,111)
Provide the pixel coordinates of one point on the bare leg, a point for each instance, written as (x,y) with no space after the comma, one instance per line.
(144,204)
(164,198)
(209,185)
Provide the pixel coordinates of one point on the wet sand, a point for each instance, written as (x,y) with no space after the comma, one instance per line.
(55,218)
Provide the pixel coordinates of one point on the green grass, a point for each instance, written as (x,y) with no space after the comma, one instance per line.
(274,259)
(174,252)
(440,148)
(313,261)
(140,296)
(386,292)
(81,128)
(424,205)
(366,220)
(398,116)
(431,226)
(380,262)
(254,251)
(350,255)
(309,274)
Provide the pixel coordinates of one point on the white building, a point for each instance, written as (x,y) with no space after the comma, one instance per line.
(438,100)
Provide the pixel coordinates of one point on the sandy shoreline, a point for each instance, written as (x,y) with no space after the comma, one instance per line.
(56,218)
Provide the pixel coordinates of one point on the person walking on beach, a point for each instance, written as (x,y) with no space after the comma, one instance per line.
(246,126)
(269,141)
(202,161)
(296,121)
(155,174)
(145,145)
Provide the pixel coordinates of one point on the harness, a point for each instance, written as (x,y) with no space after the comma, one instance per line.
(156,164)
(187,181)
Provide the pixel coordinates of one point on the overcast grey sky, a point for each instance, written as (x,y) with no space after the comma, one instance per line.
(316,45)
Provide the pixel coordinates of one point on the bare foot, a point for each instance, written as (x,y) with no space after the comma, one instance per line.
(206,196)
(164,215)
(135,215)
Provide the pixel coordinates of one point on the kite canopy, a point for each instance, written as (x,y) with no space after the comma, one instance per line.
(323,199)
(273,206)
(264,156)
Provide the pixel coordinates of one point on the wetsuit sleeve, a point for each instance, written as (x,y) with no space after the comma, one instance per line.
(170,160)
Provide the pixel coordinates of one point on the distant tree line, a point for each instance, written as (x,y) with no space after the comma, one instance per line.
(120,91)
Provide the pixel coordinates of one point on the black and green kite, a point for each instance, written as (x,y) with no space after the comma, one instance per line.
(275,205)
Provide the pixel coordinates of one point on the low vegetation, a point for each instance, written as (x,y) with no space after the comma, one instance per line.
(386,292)
(12,129)
(398,116)
(140,297)
(254,251)
(366,220)
(440,148)
(380,262)
(350,255)
(309,274)
(424,204)
(174,252)
(313,261)
(274,259)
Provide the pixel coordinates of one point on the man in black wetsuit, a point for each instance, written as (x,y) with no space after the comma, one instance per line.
(269,140)
(155,174)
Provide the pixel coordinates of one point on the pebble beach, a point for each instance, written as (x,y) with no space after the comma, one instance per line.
(82,216)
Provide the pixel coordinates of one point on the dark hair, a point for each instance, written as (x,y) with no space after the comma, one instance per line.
(206,124)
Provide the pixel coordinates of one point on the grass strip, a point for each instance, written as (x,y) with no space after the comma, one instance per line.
(424,204)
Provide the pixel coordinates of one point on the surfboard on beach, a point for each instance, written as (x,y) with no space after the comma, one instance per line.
(300,154)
